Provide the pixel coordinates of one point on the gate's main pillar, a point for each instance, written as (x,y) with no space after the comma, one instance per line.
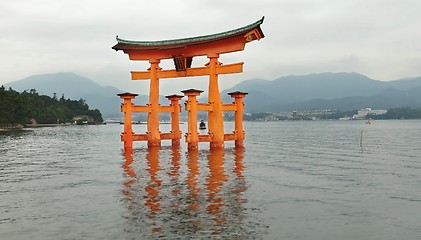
(215,115)
(154,137)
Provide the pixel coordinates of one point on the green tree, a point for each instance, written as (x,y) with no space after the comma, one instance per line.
(20,108)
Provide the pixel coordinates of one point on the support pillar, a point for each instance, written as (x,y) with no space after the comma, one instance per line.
(127,108)
(238,102)
(215,116)
(154,137)
(175,118)
(192,136)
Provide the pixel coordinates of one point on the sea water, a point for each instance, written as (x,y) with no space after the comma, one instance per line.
(293,180)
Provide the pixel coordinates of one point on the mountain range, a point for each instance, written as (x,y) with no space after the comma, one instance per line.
(342,91)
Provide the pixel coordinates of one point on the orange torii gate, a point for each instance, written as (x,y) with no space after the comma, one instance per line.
(182,52)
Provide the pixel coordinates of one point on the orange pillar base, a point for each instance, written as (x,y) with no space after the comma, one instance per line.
(239,143)
(175,142)
(128,144)
(152,143)
(217,145)
(191,146)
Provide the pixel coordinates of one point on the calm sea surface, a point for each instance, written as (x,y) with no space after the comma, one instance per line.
(293,180)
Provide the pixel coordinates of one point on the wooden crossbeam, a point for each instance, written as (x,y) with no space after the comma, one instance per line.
(148,108)
(166,109)
(229,107)
(167,135)
(204,138)
(204,107)
(230,136)
(208,107)
(201,107)
(139,108)
(140,137)
(189,72)
(144,137)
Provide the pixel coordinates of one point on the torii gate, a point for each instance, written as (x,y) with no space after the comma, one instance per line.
(182,52)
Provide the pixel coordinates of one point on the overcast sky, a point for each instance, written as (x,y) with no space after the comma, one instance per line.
(378,38)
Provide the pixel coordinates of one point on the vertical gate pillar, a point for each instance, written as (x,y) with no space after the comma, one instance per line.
(238,102)
(192,136)
(127,108)
(215,115)
(154,136)
(175,118)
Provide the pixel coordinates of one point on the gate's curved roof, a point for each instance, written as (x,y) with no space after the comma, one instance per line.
(123,44)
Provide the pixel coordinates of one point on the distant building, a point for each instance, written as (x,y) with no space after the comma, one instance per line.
(365,111)
(294,114)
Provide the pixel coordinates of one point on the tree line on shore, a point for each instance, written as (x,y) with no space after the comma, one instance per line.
(392,113)
(24,107)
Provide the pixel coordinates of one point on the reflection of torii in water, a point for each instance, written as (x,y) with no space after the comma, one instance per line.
(162,199)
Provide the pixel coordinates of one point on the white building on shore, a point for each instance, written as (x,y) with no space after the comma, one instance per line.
(365,111)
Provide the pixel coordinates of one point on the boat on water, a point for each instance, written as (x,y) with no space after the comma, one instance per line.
(202,125)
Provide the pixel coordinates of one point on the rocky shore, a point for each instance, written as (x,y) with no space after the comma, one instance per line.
(10,127)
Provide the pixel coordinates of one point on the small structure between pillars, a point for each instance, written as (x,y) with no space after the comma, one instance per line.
(192,106)
(182,52)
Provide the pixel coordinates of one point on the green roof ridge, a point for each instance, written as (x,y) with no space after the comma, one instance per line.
(193,39)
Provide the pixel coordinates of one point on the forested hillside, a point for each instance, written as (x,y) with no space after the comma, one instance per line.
(343,91)
(73,86)
(22,107)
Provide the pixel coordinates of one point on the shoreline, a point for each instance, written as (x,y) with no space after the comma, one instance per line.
(10,127)
(38,125)
(20,127)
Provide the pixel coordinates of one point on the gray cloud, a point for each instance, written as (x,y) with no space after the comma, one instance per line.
(378,38)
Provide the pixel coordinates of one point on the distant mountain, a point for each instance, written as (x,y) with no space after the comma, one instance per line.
(74,86)
(404,84)
(345,91)
(389,98)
